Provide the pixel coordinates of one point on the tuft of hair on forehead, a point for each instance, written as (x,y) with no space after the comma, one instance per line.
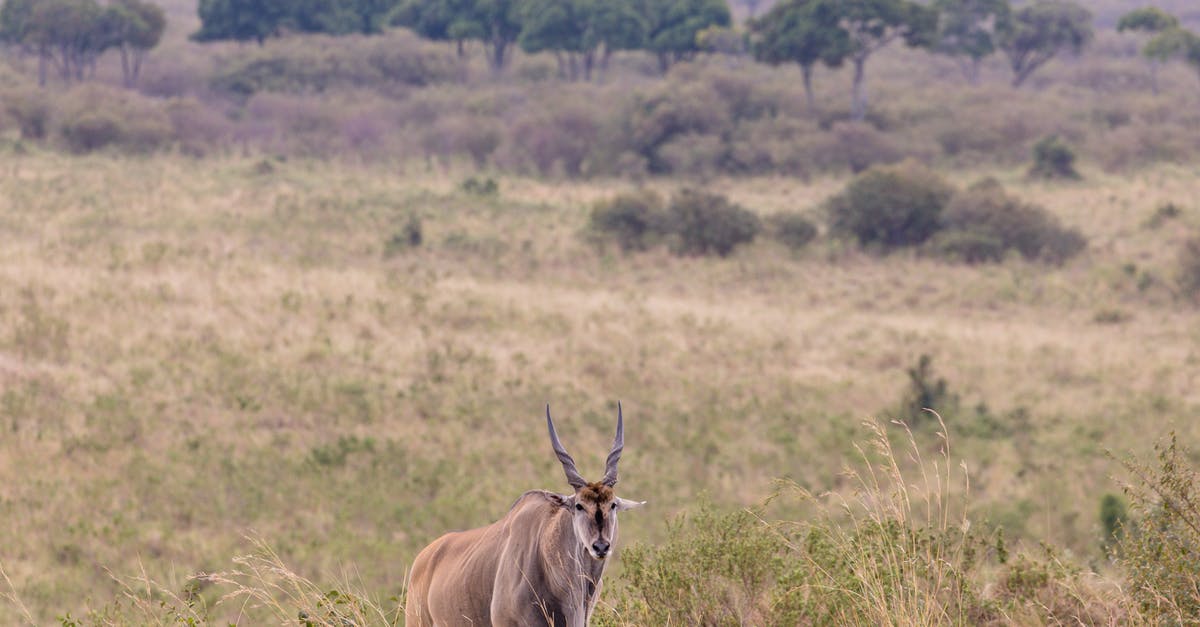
(596,493)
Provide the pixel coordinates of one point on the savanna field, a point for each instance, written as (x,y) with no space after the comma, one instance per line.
(289,312)
(198,353)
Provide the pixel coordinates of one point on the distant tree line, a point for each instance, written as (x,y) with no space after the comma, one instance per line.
(581,34)
(257,20)
(70,35)
(833,32)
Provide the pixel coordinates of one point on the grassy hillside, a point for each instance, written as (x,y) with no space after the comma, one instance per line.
(197,351)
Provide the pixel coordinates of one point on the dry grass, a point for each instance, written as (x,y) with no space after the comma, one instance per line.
(191,349)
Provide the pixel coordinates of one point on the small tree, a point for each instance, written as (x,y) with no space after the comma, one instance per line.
(494,23)
(1041,31)
(140,25)
(580,33)
(672,27)
(803,32)
(240,20)
(1153,21)
(967,31)
(871,25)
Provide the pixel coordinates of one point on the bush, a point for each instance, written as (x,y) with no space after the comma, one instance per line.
(411,235)
(318,63)
(95,117)
(793,229)
(1161,550)
(30,109)
(858,146)
(561,137)
(925,391)
(633,219)
(1053,159)
(983,223)
(890,206)
(1189,269)
(716,569)
(705,223)
(899,552)
(480,186)
(1165,212)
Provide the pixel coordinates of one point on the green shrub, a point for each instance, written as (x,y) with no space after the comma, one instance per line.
(925,391)
(1164,213)
(715,569)
(1161,550)
(793,229)
(1114,515)
(890,206)
(1053,159)
(1189,268)
(983,223)
(633,219)
(703,223)
(898,552)
(411,235)
(480,186)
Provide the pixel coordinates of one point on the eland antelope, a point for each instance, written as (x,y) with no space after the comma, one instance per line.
(538,565)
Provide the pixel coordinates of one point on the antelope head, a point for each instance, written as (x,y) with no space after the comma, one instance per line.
(594,506)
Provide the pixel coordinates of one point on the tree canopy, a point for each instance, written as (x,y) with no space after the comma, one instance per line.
(673,26)
(240,20)
(804,32)
(494,23)
(967,31)
(71,34)
(579,31)
(871,25)
(1041,31)
(256,20)
(1147,20)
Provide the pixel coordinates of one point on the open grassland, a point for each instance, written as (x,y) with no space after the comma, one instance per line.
(194,351)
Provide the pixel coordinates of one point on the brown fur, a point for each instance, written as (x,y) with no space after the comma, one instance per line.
(597,493)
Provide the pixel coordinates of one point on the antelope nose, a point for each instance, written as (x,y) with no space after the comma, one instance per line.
(600,547)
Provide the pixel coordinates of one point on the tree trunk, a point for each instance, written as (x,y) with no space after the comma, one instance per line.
(43,67)
(970,70)
(459,48)
(589,62)
(809,98)
(126,67)
(562,64)
(573,63)
(858,101)
(138,57)
(499,49)
(664,62)
(604,60)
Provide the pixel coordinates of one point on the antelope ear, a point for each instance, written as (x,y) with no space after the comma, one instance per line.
(560,500)
(626,504)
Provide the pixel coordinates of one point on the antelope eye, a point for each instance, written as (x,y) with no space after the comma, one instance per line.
(614,506)
(579,507)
